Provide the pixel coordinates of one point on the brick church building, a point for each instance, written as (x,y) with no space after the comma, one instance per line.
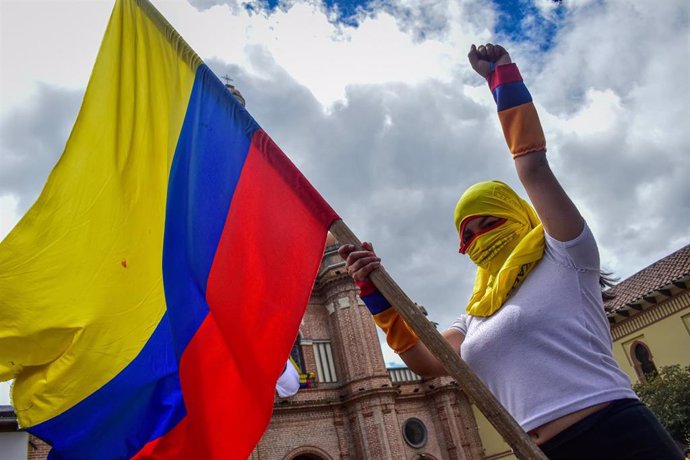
(357,408)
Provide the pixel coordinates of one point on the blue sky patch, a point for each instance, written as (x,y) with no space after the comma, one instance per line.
(346,9)
(517,21)
(521,21)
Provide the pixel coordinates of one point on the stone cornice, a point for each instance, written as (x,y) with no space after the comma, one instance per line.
(648,300)
(650,315)
(337,399)
(334,401)
(331,275)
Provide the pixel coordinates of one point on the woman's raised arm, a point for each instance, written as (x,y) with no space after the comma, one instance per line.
(525,139)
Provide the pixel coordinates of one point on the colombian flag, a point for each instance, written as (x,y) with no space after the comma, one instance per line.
(150,297)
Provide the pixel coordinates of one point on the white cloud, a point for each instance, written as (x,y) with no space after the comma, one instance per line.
(613,102)
(601,112)
(324,56)
(4,393)
(8,214)
(47,41)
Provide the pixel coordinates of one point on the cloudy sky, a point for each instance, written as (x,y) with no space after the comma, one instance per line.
(376,104)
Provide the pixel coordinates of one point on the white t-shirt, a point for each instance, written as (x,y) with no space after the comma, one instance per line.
(547,351)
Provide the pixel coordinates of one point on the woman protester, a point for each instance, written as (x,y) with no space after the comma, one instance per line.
(535,331)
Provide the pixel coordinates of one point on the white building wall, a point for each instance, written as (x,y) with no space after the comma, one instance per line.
(13,446)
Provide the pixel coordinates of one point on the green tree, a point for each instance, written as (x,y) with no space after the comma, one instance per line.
(668,396)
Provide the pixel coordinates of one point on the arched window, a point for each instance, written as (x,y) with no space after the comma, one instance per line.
(296,354)
(643,361)
(307,453)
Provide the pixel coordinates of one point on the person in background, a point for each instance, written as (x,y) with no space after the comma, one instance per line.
(288,383)
(534,330)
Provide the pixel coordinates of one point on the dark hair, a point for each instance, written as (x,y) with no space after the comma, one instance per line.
(606,282)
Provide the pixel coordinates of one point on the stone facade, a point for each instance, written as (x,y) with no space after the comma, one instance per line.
(360,412)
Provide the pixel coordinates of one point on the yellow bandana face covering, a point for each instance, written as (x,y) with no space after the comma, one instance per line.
(490,250)
(504,255)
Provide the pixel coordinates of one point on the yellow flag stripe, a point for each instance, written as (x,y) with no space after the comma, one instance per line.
(108,194)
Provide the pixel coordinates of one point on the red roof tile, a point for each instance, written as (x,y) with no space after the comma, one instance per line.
(657,275)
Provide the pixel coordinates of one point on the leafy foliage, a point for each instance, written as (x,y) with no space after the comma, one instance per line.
(668,396)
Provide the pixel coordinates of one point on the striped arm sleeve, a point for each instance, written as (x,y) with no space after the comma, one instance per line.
(399,336)
(372,298)
(516,112)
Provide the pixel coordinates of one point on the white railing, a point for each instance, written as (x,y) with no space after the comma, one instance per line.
(402,374)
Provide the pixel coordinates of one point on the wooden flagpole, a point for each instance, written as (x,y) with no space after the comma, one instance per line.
(519,441)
